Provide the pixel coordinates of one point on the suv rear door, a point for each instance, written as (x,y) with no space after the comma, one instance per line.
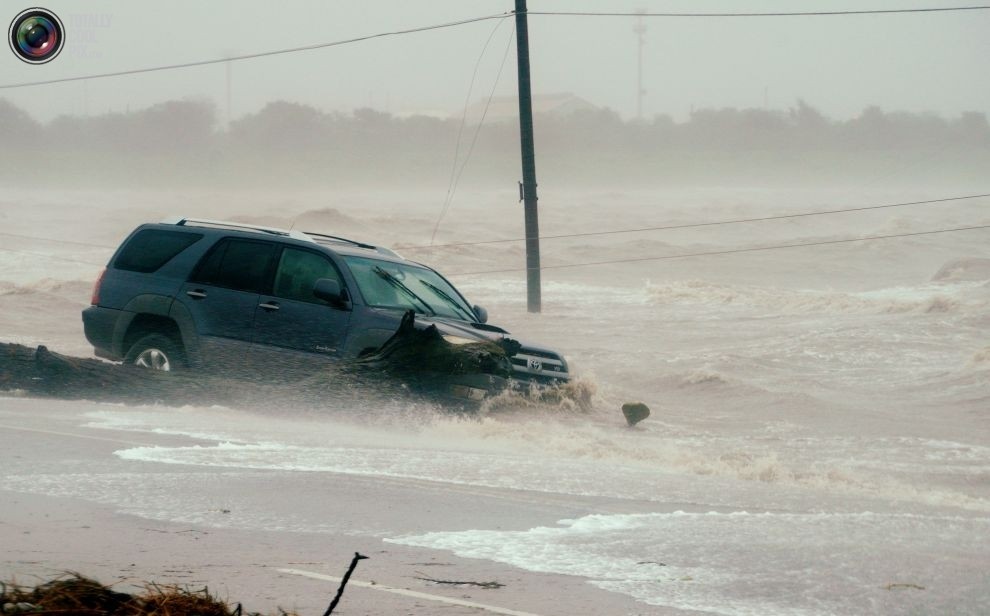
(290,317)
(222,295)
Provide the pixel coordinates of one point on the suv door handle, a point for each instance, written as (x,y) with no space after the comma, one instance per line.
(196,293)
(269,306)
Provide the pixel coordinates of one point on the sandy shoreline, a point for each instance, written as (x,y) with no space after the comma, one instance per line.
(44,535)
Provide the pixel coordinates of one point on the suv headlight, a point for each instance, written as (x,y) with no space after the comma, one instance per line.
(458,340)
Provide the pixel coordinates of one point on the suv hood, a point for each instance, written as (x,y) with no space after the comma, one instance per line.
(529,358)
(464,329)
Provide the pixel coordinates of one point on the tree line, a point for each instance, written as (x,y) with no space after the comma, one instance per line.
(289,143)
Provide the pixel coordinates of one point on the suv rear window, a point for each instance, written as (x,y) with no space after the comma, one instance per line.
(150,249)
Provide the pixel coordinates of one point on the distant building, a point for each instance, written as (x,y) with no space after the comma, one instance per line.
(437,114)
(506,108)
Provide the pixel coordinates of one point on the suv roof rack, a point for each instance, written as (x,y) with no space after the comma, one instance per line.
(337,238)
(182,221)
(306,236)
(340,239)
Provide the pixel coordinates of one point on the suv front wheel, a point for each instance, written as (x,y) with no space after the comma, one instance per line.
(156,352)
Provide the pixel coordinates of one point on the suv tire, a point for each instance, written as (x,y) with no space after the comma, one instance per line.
(156,352)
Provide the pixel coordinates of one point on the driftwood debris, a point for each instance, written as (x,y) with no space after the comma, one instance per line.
(343,582)
(40,372)
(413,362)
(423,354)
(485,585)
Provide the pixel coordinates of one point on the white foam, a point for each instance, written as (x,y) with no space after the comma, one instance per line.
(561,455)
(749,563)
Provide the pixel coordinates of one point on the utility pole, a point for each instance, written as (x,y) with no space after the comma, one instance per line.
(227,71)
(533,285)
(640,30)
(228,74)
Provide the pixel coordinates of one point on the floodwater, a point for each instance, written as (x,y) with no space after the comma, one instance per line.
(820,436)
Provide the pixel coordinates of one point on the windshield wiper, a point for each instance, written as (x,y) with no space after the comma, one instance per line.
(395,282)
(450,300)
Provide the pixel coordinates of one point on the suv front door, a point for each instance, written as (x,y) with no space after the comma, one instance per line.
(291,319)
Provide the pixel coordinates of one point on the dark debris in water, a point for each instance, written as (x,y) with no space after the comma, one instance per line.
(486,585)
(416,364)
(903,586)
(635,412)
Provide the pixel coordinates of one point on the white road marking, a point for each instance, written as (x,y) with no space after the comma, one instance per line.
(409,593)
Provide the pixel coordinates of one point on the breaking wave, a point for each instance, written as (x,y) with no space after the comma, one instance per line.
(79,288)
(935,299)
(963,269)
(981,359)
(703,377)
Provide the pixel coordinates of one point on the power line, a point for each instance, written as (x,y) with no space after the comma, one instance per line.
(547,237)
(588,263)
(460,131)
(787,14)
(728,252)
(474,139)
(462,22)
(55,241)
(262,54)
(699,224)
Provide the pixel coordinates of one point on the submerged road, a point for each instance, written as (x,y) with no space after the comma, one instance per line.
(267,539)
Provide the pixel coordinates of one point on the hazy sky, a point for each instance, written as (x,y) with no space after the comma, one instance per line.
(914,62)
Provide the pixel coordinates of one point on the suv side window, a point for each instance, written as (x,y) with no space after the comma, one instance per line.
(242,265)
(298,270)
(150,249)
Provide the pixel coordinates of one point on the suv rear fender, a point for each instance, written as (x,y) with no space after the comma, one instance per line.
(147,314)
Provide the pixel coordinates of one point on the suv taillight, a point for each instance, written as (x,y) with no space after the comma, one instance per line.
(95,299)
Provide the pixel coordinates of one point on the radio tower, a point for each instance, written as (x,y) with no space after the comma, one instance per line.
(640,30)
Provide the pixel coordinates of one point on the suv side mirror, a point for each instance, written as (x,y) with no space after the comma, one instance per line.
(481,313)
(329,290)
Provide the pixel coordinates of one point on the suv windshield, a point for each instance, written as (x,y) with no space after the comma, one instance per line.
(386,284)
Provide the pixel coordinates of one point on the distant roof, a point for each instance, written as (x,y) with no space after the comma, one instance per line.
(506,108)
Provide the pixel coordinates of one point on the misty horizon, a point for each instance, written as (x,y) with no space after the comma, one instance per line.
(576,143)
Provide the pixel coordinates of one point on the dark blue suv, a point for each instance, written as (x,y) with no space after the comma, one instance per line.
(190,293)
